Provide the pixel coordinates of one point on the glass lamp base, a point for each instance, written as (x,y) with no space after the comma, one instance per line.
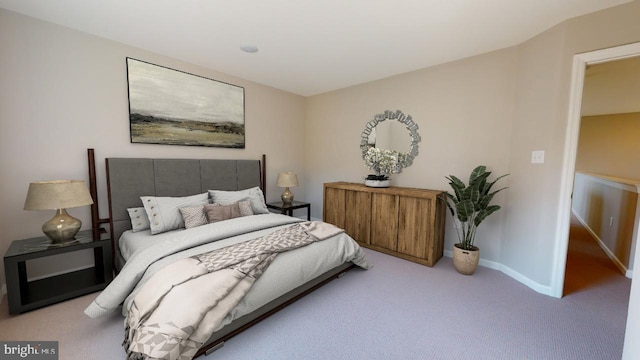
(62,227)
(287,196)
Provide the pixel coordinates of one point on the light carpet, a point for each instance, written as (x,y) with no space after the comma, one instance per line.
(396,310)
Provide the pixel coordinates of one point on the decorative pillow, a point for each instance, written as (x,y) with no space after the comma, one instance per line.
(164,213)
(194,216)
(139,219)
(245,208)
(244,205)
(217,213)
(229,197)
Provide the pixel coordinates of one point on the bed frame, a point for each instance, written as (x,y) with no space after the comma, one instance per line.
(130,178)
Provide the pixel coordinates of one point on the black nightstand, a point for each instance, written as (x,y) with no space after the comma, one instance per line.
(26,295)
(287,209)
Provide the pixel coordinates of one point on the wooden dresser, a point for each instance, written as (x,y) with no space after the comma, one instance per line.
(404,222)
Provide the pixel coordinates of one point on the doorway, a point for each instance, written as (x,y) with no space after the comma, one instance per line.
(604,196)
(580,63)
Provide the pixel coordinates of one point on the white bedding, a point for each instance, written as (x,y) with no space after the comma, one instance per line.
(130,241)
(288,271)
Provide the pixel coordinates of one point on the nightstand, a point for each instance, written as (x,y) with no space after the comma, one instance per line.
(287,209)
(24,295)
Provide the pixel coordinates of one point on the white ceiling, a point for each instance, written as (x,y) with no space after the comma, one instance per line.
(309,47)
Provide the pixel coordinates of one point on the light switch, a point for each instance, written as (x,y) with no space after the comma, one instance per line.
(537,157)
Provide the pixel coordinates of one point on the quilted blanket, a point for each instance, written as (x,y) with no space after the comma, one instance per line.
(181,305)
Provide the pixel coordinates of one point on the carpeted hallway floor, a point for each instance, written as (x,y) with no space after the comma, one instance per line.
(587,264)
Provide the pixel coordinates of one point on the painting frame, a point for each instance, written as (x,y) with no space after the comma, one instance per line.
(173,107)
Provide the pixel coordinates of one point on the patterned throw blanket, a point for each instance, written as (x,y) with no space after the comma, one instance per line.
(181,305)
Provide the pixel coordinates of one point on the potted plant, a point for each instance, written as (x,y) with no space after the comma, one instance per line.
(469,206)
(384,162)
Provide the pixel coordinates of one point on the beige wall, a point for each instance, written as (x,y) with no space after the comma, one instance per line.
(494,109)
(540,121)
(464,111)
(528,242)
(612,88)
(63,91)
(609,145)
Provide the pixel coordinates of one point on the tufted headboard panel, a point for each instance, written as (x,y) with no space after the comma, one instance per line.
(130,178)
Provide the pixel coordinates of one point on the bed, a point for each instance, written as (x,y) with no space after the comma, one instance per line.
(139,254)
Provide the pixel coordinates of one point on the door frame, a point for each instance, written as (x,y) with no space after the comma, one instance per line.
(580,62)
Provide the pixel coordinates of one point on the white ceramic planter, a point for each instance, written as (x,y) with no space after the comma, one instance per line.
(377,183)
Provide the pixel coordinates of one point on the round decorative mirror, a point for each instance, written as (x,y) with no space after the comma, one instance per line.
(392,132)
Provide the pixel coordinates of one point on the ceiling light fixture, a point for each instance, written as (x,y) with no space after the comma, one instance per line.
(249,48)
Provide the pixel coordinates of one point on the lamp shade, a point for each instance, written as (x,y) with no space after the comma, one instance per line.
(287,179)
(57,194)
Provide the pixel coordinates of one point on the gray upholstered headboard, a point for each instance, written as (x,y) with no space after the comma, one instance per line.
(128,179)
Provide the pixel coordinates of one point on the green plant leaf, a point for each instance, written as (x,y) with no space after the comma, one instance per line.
(474,194)
(457,185)
(477,172)
(453,213)
(470,204)
(484,213)
(464,209)
(490,184)
(484,202)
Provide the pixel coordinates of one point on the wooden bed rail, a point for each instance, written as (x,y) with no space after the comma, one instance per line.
(96,221)
(263,176)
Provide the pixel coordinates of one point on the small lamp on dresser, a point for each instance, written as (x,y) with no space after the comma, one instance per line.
(58,195)
(287,180)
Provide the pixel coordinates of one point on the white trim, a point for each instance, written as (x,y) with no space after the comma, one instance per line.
(636,232)
(580,61)
(623,269)
(545,290)
(618,183)
(566,181)
(542,289)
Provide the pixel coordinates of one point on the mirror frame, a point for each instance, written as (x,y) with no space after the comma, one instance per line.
(397,115)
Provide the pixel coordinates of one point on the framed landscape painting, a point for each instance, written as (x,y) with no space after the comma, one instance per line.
(172,107)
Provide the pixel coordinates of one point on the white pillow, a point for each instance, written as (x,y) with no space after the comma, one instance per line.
(164,212)
(139,219)
(229,197)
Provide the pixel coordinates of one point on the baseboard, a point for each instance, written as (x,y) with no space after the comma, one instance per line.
(542,289)
(537,287)
(623,269)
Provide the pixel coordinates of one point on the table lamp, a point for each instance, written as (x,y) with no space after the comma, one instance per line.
(58,195)
(286,180)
